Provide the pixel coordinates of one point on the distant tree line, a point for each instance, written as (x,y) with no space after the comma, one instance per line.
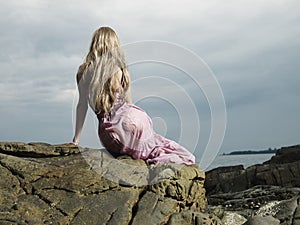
(248,152)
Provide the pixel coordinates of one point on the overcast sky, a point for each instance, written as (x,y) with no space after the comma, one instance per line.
(252,47)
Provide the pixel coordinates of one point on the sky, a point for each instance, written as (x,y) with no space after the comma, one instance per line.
(251,49)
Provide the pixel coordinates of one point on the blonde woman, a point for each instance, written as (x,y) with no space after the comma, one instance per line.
(104,84)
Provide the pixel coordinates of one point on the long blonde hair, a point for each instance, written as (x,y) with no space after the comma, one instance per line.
(103,62)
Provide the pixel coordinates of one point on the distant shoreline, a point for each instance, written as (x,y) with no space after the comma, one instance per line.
(252,152)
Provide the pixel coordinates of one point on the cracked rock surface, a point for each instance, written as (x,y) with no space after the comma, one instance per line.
(64,184)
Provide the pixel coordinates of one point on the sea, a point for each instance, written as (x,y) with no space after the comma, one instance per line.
(245,160)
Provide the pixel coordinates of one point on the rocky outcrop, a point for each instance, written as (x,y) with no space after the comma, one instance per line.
(64,184)
(263,194)
(282,170)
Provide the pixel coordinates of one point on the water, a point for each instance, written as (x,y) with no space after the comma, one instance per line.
(245,160)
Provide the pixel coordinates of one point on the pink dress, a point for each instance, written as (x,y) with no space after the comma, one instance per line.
(128,130)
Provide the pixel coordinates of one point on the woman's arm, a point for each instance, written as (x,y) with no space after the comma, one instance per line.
(81,109)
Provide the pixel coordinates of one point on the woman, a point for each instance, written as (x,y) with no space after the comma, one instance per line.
(104,84)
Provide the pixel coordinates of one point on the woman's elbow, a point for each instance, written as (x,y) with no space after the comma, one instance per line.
(82,105)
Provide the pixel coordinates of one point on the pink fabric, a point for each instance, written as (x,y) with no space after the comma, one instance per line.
(128,130)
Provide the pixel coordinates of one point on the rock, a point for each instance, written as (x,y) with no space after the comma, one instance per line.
(174,188)
(230,218)
(283,212)
(286,155)
(190,217)
(269,209)
(263,202)
(260,220)
(182,183)
(266,193)
(37,150)
(287,209)
(282,170)
(223,179)
(64,184)
(253,198)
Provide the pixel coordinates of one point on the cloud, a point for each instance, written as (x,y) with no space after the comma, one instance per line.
(251,46)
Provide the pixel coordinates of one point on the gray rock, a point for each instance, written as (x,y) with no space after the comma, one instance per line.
(262,220)
(287,209)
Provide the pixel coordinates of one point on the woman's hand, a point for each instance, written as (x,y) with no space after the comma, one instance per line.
(75,142)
